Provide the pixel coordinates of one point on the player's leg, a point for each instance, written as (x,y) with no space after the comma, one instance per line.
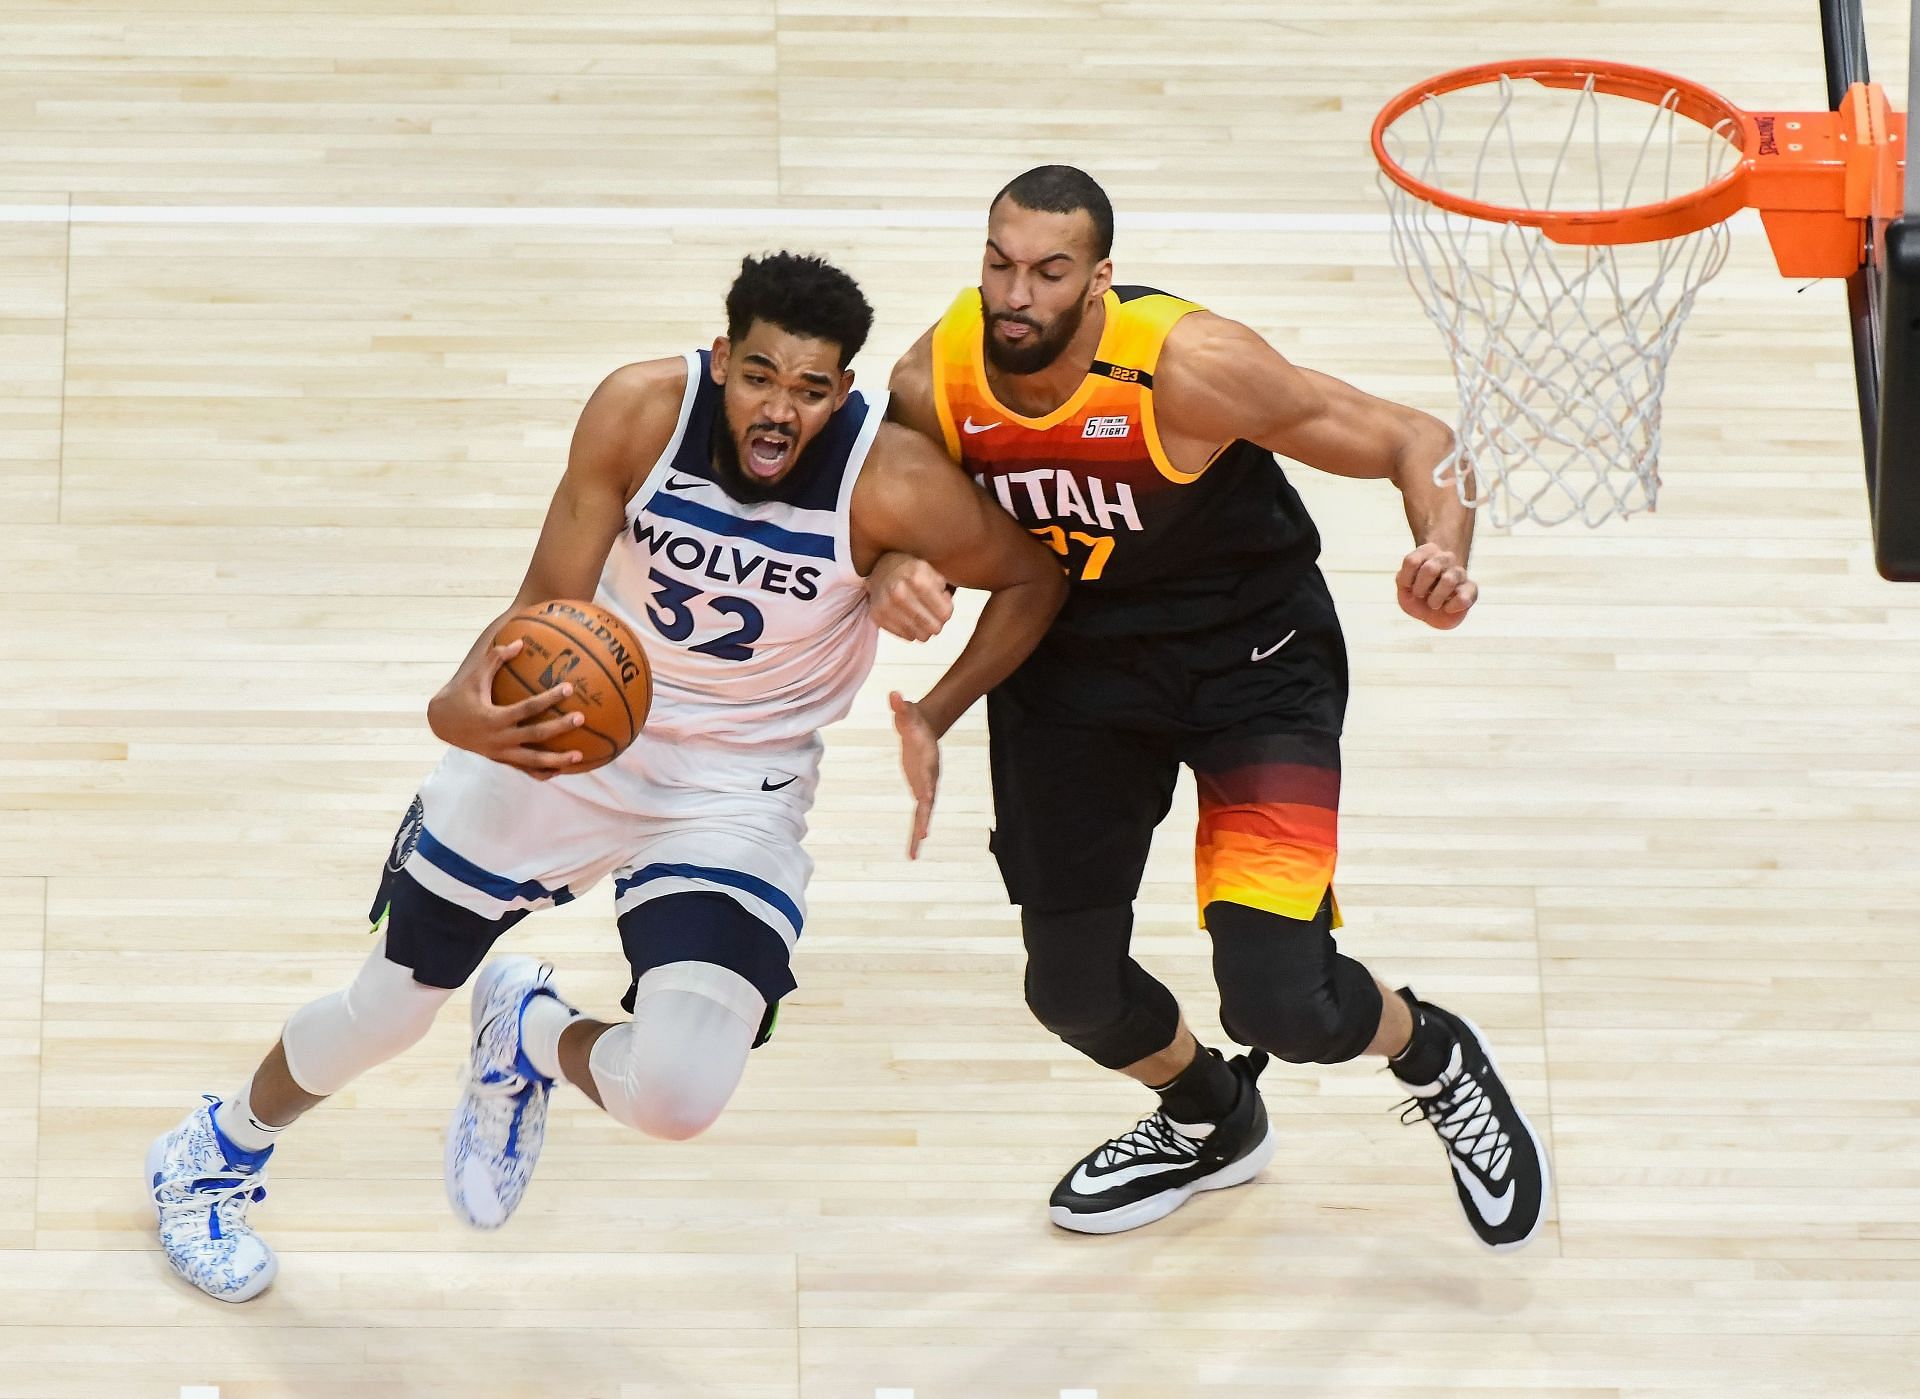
(499,842)
(459,874)
(208,1170)
(711,908)
(1265,859)
(707,973)
(711,899)
(1075,809)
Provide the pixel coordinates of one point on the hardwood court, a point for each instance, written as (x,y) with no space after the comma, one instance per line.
(1651,817)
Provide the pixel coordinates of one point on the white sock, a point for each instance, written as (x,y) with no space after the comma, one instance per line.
(236,1120)
(540,1026)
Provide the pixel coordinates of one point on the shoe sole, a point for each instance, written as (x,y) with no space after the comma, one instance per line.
(462,1202)
(1156,1207)
(156,1158)
(1539,1151)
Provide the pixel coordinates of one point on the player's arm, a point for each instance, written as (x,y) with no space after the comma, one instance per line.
(1218,381)
(908,595)
(910,499)
(920,503)
(587,511)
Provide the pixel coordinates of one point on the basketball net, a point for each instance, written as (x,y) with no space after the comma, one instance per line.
(1560,350)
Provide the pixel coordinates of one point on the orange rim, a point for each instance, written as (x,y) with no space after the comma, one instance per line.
(1640,223)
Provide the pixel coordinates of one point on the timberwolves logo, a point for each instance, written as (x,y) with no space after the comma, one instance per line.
(408,836)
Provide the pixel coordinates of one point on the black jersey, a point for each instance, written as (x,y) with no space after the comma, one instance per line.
(1150,549)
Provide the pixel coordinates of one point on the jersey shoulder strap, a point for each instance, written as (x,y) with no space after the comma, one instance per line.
(956,350)
(1137,329)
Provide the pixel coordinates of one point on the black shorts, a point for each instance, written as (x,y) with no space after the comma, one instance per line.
(1089,735)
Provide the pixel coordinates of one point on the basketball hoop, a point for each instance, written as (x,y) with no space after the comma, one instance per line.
(1557,218)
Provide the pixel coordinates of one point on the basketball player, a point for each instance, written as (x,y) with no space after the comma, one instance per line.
(1135,434)
(726,505)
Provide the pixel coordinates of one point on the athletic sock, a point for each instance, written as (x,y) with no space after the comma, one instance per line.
(540,1026)
(1429,1051)
(1205,1090)
(238,1123)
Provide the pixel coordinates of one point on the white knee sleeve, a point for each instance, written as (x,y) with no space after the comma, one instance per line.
(671,1069)
(385,1012)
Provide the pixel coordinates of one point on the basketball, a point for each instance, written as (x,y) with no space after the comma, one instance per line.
(589,648)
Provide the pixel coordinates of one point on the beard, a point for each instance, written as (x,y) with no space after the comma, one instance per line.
(1039,349)
(735,479)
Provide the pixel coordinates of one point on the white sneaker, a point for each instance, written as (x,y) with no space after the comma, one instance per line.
(493,1141)
(201,1185)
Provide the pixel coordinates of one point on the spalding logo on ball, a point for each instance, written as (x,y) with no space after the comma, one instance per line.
(587,647)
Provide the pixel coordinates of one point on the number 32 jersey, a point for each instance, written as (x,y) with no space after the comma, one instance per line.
(1150,549)
(752,614)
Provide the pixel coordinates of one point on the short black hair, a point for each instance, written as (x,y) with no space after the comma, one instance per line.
(803,295)
(1064,189)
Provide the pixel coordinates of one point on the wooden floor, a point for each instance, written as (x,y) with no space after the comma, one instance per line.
(1652,818)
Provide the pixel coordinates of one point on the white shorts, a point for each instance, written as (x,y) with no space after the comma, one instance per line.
(667,818)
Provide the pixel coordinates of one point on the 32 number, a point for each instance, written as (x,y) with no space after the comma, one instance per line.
(673,618)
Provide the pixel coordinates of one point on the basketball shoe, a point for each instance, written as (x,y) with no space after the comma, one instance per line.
(493,1141)
(1500,1170)
(201,1185)
(1149,1172)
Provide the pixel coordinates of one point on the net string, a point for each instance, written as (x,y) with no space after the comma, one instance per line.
(1560,351)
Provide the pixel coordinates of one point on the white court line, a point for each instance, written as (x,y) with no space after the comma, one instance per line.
(584,216)
(1746,222)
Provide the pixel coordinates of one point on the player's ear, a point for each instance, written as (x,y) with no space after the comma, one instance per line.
(1102,279)
(846,387)
(722,352)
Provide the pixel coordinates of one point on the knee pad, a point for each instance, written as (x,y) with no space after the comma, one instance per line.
(1082,986)
(1286,988)
(670,1070)
(383,1013)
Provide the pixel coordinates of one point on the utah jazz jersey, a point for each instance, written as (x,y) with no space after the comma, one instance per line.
(752,614)
(1150,548)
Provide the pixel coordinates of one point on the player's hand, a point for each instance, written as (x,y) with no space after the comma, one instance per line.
(920,761)
(908,597)
(464,715)
(1434,587)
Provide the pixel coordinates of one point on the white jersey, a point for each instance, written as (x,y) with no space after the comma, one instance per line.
(752,614)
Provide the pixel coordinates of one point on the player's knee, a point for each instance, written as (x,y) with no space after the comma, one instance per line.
(1286,989)
(1085,989)
(1073,964)
(670,1071)
(1301,1024)
(670,1107)
(383,1013)
(1065,1008)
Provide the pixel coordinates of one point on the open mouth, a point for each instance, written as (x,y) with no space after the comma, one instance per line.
(768,454)
(1013,330)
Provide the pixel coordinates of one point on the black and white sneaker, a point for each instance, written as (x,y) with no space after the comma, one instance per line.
(1149,1172)
(1500,1169)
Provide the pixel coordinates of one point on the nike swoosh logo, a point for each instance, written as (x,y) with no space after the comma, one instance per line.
(767,786)
(971,426)
(1494,1209)
(676,484)
(480,1035)
(1083,1184)
(1260,655)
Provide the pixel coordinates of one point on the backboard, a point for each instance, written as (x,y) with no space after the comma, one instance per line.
(1883,301)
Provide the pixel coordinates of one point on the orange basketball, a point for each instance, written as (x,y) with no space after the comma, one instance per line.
(586,646)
